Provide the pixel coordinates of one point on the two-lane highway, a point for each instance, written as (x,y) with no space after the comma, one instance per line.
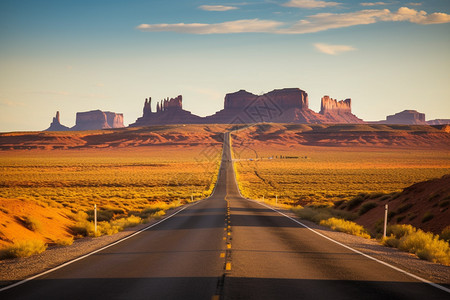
(226,247)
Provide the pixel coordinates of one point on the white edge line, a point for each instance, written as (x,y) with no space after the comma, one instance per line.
(438,286)
(95,251)
(357,251)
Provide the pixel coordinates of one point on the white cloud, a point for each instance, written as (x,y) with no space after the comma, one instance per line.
(216,7)
(373,3)
(325,21)
(239,26)
(414,4)
(310,3)
(313,23)
(333,49)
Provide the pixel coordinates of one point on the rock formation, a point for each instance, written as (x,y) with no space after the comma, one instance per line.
(56,124)
(168,111)
(338,111)
(288,105)
(407,117)
(438,122)
(97,119)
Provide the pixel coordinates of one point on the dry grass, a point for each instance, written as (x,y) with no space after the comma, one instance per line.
(23,249)
(125,184)
(425,245)
(345,226)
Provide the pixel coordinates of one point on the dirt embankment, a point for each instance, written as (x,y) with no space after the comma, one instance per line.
(424,205)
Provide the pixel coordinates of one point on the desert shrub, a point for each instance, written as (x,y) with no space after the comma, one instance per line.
(400,230)
(403,208)
(366,207)
(444,203)
(23,249)
(377,195)
(391,241)
(399,219)
(345,226)
(425,245)
(356,201)
(64,242)
(32,223)
(445,234)
(427,217)
(4,210)
(127,222)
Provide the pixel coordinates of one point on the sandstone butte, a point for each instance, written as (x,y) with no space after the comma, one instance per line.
(289,105)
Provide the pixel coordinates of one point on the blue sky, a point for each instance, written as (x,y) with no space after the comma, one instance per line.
(107,54)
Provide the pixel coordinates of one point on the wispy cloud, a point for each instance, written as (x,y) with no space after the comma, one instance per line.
(313,23)
(374,3)
(333,49)
(9,103)
(325,21)
(310,3)
(239,26)
(217,7)
(415,4)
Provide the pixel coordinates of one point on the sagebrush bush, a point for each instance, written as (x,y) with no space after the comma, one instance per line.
(64,242)
(366,207)
(345,226)
(425,245)
(32,223)
(23,249)
(445,234)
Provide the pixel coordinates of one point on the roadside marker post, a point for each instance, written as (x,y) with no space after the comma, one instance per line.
(385,220)
(276,199)
(95,219)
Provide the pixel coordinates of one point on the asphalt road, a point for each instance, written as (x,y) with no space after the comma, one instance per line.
(225,247)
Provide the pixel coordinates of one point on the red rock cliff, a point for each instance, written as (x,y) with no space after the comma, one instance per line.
(332,106)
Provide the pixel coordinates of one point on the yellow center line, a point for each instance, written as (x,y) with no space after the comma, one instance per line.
(228,266)
(222,254)
(228,246)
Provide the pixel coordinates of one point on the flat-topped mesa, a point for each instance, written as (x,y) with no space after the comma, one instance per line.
(97,119)
(332,106)
(289,98)
(238,100)
(284,99)
(409,117)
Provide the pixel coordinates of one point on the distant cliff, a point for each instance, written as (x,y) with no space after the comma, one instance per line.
(338,111)
(97,119)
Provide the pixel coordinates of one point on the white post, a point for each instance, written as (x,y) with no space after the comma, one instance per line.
(95,219)
(385,220)
(192,198)
(276,199)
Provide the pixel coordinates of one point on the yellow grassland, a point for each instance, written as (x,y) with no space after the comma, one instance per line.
(56,187)
(302,175)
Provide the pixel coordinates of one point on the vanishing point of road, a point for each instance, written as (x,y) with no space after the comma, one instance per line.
(225,247)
